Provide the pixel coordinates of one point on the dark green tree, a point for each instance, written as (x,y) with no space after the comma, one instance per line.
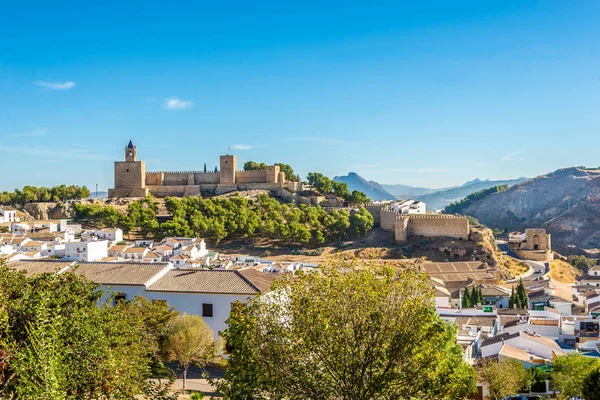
(466,298)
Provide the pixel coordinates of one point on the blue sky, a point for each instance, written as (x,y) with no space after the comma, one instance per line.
(428,93)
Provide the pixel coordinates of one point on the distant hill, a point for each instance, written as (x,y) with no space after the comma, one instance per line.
(372,189)
(440,199)
(407,192)
(566,202)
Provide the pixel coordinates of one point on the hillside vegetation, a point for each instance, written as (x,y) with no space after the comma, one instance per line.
(231,218)
(459,206)
(32,194)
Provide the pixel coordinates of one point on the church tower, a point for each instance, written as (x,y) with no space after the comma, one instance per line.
(130,175)
(130,152)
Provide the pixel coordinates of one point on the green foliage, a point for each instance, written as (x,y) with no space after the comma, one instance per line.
(254,166)
(234,217)
(354,331)
(327,186)
(581,262)
(505,378)
(32,194)
(189,341)
(591,386)
(196,396)
(458,206)
(521,295)
(62,345)
(570,372)
(466,298)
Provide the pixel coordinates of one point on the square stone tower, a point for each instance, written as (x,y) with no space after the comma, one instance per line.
(228,170)
(130,175)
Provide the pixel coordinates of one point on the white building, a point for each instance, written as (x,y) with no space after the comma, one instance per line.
(409,207)
(533,343)
(86,251)
(112,234)
(8,214)
(135,253)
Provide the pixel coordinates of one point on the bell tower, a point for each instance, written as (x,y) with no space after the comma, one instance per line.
(130,152)
(130,176)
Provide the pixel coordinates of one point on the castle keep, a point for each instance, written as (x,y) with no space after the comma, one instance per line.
(132,180)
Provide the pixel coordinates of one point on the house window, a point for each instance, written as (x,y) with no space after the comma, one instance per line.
(207,310)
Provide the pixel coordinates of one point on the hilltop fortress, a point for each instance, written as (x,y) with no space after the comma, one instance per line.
(132,179)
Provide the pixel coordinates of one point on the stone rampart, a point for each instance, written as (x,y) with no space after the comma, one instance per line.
(179,178)
(375,210)
(438,226)
(535,255)
(155,178)
(203,178)
(259,176)
(387,219)
(174,190)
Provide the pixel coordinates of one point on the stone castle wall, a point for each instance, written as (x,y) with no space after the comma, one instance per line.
(437,225)
(130,175)
(203,178)
(375,211)
(259,176)
(387,219)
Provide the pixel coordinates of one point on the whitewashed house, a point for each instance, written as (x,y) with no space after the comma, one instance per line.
(534,344)
(409,207)
(112,234)
(86,251)
(35,247)
(8,214)
(135,253)
(118,250)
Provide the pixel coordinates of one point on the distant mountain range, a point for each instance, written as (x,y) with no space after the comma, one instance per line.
(440,199)
(434,198)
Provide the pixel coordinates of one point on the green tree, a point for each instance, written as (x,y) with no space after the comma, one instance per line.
(512,301)
(354,331)
(521,295)
(358,197)
(581,262)
(591,386)
(458,206)
(505,378)
(189,341)
(474,296)
(479,296)
(466,298)
(569,373)
(61,345)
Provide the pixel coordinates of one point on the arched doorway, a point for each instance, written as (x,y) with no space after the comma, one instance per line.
(536,242)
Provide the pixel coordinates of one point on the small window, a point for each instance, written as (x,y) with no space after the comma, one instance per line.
(127,169)
(207,310)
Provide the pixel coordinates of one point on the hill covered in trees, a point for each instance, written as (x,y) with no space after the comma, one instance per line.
(459,206)
(232,218)
(32,194)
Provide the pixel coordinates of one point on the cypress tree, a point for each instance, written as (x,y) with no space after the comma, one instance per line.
(521,295)
(216,170)
(466,298)
(204,167)
(512,299)
(474,297)
(480,296)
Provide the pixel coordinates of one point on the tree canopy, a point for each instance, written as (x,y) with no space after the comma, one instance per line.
(233,217)
(61,345)
(285,168)
(32,194)
(340,189)
(505,378)
(354,331)
(458,206)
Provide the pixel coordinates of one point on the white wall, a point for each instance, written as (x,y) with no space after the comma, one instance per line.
(86,251)
(190,303)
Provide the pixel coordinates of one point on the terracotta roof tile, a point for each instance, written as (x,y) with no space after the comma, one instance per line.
(204,281)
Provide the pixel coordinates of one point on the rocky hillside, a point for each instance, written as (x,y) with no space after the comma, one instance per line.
(372,189)
(565,202)
(442,198)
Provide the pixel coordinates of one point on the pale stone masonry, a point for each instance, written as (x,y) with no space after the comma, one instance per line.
(132,180)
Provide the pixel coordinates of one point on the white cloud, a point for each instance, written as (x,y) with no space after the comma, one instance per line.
(511,156)
(243,147)
(37,132)
(173,103)
(55,85)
